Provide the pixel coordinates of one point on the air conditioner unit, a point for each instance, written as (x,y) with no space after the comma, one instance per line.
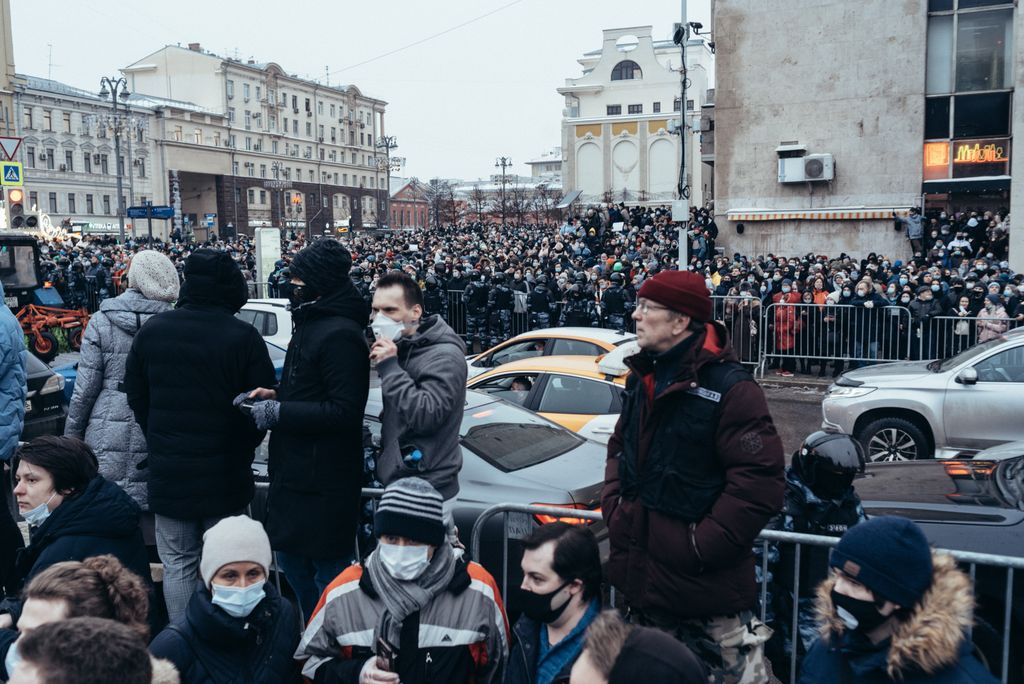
(63,167)
(96,159)
(819,167)
(295,110)
(42,156)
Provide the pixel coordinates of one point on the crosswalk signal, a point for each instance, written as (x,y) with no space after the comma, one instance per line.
(15,203)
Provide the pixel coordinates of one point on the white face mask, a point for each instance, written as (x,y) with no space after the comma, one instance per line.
(403,562)
(384,327)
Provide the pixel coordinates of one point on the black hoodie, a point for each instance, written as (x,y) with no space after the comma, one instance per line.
(183,371)
(316,453)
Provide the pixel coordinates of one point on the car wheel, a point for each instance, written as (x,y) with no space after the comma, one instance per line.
(75,338)
(44,346)
(893,439)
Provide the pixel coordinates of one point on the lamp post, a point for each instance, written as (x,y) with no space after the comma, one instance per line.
(277,167)
(116,89)
(386,143)
(503,163)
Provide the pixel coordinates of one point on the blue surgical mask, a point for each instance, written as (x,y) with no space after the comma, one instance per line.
(38,515)
(238,602)
(904,281)
(1008,292)
(786,288)
(936,287)
(12,660)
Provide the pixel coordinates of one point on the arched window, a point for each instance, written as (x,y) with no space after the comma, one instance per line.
(626,70)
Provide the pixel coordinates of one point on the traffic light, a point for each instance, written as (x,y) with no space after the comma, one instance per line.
(15,204)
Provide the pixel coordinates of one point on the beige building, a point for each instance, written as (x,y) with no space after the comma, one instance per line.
(891,105)
(246,144)
(618,127)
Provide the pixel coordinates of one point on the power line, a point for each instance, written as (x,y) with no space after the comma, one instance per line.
(432,36)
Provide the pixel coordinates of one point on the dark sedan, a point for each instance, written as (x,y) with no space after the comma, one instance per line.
(46,408)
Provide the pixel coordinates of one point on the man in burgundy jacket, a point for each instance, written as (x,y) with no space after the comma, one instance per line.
(694,472)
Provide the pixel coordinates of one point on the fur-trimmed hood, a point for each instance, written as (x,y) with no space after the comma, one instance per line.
(164,672)
(931,637)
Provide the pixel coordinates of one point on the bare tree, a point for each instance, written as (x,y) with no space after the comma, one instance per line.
(478,200)
(440,196)
(544,200)
(518,200)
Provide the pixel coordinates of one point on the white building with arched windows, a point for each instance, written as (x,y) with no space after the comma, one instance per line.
(617,144)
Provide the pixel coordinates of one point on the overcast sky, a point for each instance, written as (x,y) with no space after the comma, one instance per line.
(455,102)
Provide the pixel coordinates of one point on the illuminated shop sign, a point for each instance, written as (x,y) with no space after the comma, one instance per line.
(980,152)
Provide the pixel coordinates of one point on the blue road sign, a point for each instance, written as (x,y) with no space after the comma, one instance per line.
(159,212)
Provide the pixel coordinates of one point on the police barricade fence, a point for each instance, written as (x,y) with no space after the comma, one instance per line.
(837,333)
(943,336)
(968,560)
(743,317)
(456,318)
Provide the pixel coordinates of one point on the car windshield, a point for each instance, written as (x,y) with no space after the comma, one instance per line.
(510,438)
(966,355)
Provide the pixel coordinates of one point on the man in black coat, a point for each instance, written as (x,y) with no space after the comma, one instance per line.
(316,453)
(183,371)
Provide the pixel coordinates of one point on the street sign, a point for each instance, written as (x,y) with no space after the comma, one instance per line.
(159,212)
(9,146)
(11,173)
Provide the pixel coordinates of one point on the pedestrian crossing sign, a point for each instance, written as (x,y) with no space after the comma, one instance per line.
(11,173)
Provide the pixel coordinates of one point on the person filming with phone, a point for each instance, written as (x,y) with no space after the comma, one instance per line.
(422,366)
(414,611)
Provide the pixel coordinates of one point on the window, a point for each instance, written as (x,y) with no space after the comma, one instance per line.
(263,196)
(656,108)
(613,110)
(120,165)
(515,352)
(563,347)
(197,136)
(141,163)
(231,115)
(295,101)
(234,168)
(258,92)
(140,135)
(511,438)
(30,156)
(69,160)
(238,195)
(71,203)
(626,70)
(273,147)
(245,91)
(89,208)
(252,196)
(53,202)
(309,128)
(635,109)
(332,111)
(248,120)
(936,117)
(939,62)
(33,199)
(248,142)
(106,205)
(320,108)
(26,118)
(252,169)
(104,164)
(320,128)
(1006,366)
(675,104)
(263,172)
(567,394)
(49,157)
(502,387)
(66,121)
(311,175)
(232,142)
(981,115)
(87,159)
(308,109)
(984,50)
(47,120)
(295,126)
(231,89)
(216,138)
(178,133)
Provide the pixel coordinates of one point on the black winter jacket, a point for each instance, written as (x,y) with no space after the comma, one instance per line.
(208,646)
(102,519)
(316,453)
(183,371)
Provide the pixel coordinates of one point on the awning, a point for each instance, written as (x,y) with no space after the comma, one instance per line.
(981,184)
(851,214)
(569,199)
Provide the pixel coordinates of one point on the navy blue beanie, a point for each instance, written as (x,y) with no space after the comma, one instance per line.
(888,555)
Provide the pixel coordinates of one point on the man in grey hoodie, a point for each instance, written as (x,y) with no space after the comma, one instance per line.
(915,229)
(422,367)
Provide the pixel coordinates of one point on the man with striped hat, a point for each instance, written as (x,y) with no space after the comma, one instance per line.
(413,611)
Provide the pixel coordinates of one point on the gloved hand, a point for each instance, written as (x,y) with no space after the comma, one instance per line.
(266,413)
(237,401)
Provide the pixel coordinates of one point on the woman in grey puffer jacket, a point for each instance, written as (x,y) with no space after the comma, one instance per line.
(99,412)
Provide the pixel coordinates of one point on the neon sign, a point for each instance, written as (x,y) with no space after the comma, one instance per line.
(980,153)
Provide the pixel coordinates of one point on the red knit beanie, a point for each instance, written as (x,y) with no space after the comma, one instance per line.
(682,291)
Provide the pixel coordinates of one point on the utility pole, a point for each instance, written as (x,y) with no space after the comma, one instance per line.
(503,163)
(116,89)
(681,38)
(386,143)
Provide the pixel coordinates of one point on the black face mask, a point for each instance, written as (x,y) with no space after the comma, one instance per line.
(537,607)
(858,615)
(302,294)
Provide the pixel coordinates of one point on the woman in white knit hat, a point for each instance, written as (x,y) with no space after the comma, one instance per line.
(99,412)
(236,628)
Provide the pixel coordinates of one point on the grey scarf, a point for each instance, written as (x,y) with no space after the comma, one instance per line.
(403,598)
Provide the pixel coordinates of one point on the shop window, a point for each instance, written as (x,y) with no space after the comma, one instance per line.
(984,50)
(936,118)
(981,115)
(939,63)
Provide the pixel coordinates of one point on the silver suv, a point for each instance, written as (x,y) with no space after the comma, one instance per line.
(943,408)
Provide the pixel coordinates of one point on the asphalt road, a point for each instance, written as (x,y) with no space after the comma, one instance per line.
(796,411)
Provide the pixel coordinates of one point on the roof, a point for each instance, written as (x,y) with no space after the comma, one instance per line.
(584,366)
(600,334)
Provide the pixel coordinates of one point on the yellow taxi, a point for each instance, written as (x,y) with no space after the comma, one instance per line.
(567,341)
(580,393)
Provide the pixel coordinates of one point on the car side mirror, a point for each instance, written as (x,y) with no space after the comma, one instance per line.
(968,376)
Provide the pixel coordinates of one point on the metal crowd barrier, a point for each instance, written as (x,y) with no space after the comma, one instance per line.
(743,318)
(838,333)
(944,336)
(965,558)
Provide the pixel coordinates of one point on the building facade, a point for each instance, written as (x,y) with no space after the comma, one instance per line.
(547,165)
(409,206)
(245,144)
(887,107)
(68,154)
(618,140)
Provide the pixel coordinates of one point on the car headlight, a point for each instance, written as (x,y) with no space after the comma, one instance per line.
(849,392)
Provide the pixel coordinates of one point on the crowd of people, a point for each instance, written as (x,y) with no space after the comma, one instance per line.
(173,401)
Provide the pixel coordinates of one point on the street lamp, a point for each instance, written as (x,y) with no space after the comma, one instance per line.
(277,168)
(503,163)
(116,89)
(386,143)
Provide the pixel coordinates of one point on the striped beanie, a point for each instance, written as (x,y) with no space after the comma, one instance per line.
(411,508)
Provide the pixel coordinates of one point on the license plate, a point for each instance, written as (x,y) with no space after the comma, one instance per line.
(11,302)
(520,525)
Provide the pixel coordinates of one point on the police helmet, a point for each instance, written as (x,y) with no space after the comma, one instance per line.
(542,280)
(828,462)
(498,277)
(431,282)
(616,278)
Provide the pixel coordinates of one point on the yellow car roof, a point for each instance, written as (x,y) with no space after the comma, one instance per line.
(581,366)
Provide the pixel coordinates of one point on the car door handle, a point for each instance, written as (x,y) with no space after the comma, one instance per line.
(604,430)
